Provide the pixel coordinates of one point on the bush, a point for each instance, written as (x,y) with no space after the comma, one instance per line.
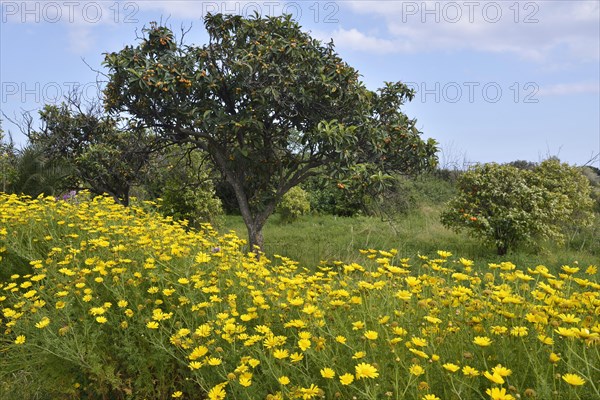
(333,198)
(507,206)
(185,185)
(294,204)
(593,175)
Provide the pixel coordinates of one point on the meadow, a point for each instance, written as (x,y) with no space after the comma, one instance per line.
(99,301)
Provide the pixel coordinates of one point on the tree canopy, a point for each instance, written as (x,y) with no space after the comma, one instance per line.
(103,153)
(509,206)
(269,105)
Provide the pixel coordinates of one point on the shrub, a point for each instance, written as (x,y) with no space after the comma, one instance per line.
(294,204)
(185,185)
(507,206)
(328,196)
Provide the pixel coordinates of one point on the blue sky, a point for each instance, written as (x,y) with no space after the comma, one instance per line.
(495,80)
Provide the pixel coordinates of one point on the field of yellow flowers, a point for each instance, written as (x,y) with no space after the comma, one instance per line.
(120,303)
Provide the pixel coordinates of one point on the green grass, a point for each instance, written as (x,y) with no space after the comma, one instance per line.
(324,237)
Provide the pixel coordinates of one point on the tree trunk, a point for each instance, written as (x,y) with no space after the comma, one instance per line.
(254,223)
(502,249)
(255,236)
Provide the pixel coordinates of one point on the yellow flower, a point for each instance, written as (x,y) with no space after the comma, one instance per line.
(327,373)
(433,320)
(499,394)
(340,339)
(214,361)
(122,303)
(416,370)
(296,357)
(494,378)
(403,295)
(419,353)
(499,330)
(101,320)
(280,354)
(217,392)
(284,380)
(346,379)
(573,379)
(444,254)
(554,358)
(482,341)
(420,342)
(545,339)
(470,371)
(358,325)
(304,344)
(364,370)
(20,339)
(569,318)
(202,258)
(246,379)
(501,370)
(152,325)
(371,335)
(177,394)
(519,331)
(566,332)
(198,352)
(310,392)
(44,322)
(358,355)
(195,365)
(451,367)
(430,397)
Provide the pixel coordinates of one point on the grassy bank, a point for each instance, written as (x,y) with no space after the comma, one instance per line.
(314,238)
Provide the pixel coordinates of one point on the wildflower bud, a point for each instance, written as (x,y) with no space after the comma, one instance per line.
(530,393)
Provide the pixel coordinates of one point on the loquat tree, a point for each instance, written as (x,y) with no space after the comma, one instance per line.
(270,106)
(509,206)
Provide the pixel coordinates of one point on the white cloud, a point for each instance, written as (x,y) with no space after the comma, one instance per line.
(532,30)
(80,39)
(562,89)
(356,40)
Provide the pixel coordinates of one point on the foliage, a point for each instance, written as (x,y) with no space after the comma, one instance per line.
(593,175)
(270,105)
(36,173)
(330,197)
(8,157)
(404,195)
(103,155)
(123,304)
(508,206)
(185,185)
(294,204)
